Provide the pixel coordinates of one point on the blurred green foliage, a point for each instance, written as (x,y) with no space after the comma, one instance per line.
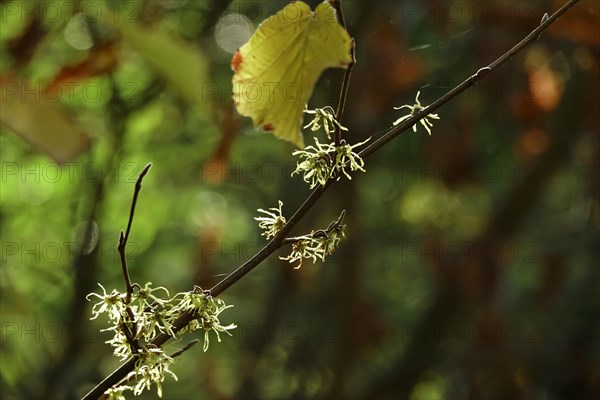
(470,268)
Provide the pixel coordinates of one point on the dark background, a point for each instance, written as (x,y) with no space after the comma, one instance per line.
(470,269)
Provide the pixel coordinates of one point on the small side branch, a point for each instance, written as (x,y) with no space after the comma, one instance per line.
(322,233)
(124,236)
(187,347)
(337,5)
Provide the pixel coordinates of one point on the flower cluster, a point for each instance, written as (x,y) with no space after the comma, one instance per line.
(150,367)
(427,124)
(318,244)
(274,221)
(208,309)
(149,312)
(325,161)
(324,117)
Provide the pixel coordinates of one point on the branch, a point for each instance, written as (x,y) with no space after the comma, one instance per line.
(184,349)
(279,239)
(273,245)
(124,236)
(322,233)
(337,5)
(130,332)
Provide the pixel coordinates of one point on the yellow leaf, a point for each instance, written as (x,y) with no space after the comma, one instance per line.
(276,71)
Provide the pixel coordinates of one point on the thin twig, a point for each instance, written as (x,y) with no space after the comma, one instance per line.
(130,332)
(323,233)
(277,241)
(124,236)
(138,187)
(187,347)
(337,5)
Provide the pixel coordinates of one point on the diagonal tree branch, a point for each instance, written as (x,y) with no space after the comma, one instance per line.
(279,239)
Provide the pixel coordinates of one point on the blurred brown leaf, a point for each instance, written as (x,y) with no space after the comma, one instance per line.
(547,88)
(46,126)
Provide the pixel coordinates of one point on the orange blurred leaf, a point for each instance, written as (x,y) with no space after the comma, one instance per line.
(546,87)
(103,58)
